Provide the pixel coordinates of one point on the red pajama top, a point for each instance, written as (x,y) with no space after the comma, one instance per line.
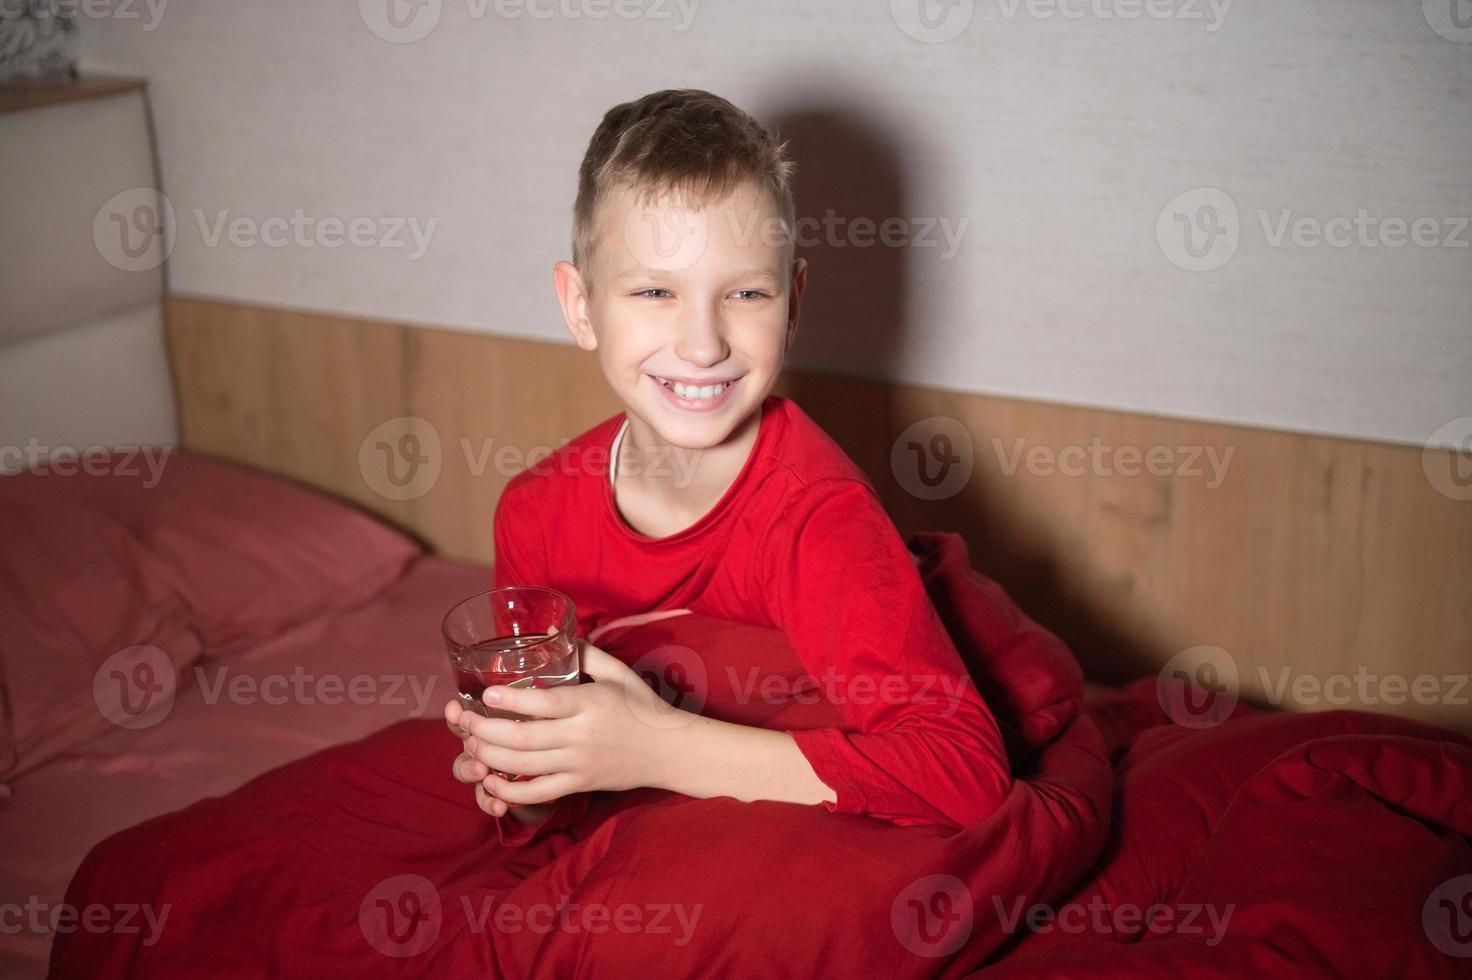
(799,542)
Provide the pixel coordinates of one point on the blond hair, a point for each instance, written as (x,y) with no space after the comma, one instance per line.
(690,143)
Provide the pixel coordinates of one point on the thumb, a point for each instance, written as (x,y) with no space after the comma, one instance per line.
(602,665)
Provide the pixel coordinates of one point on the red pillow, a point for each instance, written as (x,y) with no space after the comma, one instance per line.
(250,554)
(91,633)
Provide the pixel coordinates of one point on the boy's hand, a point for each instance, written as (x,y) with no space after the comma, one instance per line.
(576,738)
(468,769)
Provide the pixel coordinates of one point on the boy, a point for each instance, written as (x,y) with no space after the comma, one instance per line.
(743,509)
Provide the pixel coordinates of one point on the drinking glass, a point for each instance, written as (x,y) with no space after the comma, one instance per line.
(518,636)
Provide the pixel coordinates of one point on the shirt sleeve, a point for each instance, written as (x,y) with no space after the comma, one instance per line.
(521,560)
(918,745)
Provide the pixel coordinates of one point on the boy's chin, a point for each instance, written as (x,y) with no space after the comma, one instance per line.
(692,434)
(689,430)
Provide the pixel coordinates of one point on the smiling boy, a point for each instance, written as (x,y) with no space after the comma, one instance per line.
(690,304)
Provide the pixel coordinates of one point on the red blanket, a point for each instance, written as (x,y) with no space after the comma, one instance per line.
(1330,844)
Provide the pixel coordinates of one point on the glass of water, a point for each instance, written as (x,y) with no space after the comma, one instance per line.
(518,636)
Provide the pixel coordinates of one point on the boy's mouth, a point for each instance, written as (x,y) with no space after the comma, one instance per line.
(696,395)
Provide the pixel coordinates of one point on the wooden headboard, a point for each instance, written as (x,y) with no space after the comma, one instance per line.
(1320,566)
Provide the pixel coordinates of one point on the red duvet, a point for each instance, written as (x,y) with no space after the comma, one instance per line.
(1331,844)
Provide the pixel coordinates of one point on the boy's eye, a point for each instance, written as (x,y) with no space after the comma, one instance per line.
(747,294)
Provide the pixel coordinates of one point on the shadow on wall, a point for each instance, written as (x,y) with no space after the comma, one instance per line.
(854,325)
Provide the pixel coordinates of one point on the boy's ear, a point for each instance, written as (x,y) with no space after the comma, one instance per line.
(794,299)
(573,296)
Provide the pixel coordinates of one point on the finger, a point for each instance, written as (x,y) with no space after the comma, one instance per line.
(598,663)
(537,763)
(533,702)
(543,789)
(469,769)
(453,711)
(488,803)
(530,735)
(483,729)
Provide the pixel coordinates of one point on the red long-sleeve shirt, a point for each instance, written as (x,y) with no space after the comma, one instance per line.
(798,542)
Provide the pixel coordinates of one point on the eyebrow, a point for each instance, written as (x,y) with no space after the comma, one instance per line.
(643,273)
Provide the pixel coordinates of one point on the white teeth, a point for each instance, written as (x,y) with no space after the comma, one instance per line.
(696,392)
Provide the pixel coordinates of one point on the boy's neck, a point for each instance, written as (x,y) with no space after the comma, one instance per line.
(685,479)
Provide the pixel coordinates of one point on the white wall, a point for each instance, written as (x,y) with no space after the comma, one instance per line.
(1059,140)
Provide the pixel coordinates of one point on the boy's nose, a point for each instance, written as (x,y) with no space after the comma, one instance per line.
(702,341)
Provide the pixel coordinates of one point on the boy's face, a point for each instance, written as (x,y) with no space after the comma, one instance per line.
(702,296)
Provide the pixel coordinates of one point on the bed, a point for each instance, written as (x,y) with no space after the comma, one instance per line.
(265,600)
(254,827)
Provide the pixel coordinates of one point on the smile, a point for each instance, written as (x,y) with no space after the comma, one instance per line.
(693,397)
